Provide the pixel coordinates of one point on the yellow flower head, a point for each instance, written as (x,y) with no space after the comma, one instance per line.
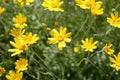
(92,5)
(87,4)
(89,45)
(2,70)
(53,5)
(20,21)
(60,38)
(17,32)
(115,61)
(30,38)
(114,20)
(21,65)
(22,3)
(19,46)
(14,75)
(1,10)
(107,49)
(96,10)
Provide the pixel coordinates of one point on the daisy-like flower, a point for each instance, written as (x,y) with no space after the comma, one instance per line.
(115,61)
(96,10)
(2,70)
(53,5)
(30,38)
(14,75)
(60,38)
(20,21)
(89,45)
(21,64)
(19,46)
(22,3)
(114,20)
(92,5)
(17,32)
(87,4)
(1,10)
(107,49)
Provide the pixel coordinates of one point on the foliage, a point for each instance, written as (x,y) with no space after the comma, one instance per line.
(46,61)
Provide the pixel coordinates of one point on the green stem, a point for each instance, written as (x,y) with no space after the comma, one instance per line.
(81,27)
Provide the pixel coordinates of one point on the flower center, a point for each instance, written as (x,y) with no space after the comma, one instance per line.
(60,38)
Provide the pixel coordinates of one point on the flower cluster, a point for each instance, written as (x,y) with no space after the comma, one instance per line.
(22,40)
(92,5)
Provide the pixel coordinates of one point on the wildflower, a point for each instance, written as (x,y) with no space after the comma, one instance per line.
(20,21)
(22,3)
(107,49)
(21,64)
(77,49)
(115,61)
(60,38)
(17,32)
(92,5)
(96,10)
(1,10)
(2,70)
(29,38)
(87,4)
(89,45)
(14,75)
(19,45)
(114,20)
(53,5)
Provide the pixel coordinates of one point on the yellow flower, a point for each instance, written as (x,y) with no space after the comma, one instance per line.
(30,38)
(114,20)
(20,21)
(22,3)
(96,10)
(19,46)
(14,75)
(53,5)
(94,7)
(17,32)
(87,4)
(89,45)
(21,65)
(2,70)
(115,61)
(1,10)
(60,38)
(107,49)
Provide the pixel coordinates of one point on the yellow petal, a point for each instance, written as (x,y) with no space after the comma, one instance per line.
(54,33)
(61,45)
(112,59)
